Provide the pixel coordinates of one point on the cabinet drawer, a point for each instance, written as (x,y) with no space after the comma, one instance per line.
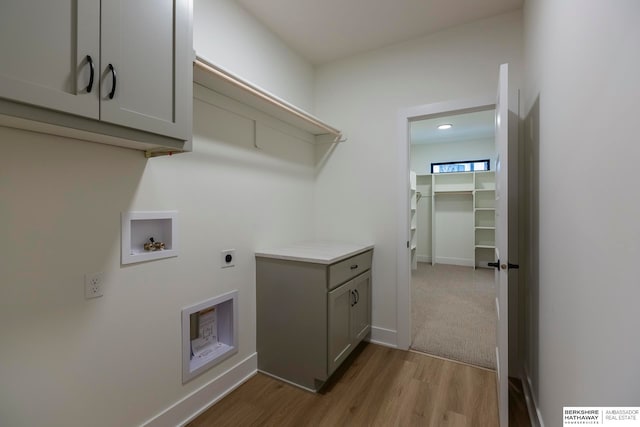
(351,267)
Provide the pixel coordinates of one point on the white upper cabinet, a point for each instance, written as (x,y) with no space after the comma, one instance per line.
(126,66)
(45,48)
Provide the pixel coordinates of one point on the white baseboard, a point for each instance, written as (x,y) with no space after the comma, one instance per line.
(188,408)
(532,406)
(385,337)
(455,261)
(423,258)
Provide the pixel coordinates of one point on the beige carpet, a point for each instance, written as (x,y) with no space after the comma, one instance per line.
(453,313)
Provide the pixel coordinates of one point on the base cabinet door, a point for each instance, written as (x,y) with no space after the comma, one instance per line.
(349,318)
(339,318)
(361,308)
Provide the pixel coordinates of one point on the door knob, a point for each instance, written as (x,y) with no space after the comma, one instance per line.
(507,266)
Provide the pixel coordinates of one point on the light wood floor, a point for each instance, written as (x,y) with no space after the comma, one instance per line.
(377,386)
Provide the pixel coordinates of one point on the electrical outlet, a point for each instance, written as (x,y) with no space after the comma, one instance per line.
(93,284)
(228,258)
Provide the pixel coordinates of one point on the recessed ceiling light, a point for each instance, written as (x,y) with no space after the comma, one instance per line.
(445,126)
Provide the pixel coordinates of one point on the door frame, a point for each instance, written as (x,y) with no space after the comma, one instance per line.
(403,261)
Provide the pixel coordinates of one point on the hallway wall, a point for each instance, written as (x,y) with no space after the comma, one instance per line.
(580,111)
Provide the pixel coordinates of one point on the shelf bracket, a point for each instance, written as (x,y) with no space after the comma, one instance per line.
(329,138)
(163,152)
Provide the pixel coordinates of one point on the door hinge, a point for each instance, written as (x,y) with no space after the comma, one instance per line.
(407,244)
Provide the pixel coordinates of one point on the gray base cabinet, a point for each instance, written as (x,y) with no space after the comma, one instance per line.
(310,316)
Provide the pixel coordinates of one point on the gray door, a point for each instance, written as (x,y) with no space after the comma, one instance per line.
(44,47)
(339,336)
(361,309)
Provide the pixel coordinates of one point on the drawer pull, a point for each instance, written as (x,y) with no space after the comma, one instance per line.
(354,266)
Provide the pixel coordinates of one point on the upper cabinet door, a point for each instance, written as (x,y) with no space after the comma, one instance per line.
(147,56)
(43,49)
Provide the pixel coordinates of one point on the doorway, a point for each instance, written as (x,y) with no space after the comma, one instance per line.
(404,257)
(452,163)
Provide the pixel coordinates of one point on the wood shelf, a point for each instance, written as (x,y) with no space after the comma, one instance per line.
(465,192)
(226,83)
(413,191)
(485,247)
(484,218)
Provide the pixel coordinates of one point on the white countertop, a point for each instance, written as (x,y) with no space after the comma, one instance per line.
(317,252)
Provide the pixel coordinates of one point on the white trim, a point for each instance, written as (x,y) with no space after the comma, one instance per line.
(194,404)
(385,337)
(465,262)
(424,258)
(532,406)
(403,260)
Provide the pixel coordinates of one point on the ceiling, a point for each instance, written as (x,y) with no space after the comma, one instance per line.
(469,126)
(326,30)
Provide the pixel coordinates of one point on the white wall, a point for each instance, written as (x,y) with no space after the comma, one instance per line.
(422,155)
(227,35)
(115,360)
(580,110)
(356,188)
(454,229)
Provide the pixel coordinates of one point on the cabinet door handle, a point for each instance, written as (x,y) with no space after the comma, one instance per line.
(113,80)
(352,294)
(91,72)
(354,266)
(357,295)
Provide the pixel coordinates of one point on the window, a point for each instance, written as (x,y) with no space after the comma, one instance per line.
(461,166)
